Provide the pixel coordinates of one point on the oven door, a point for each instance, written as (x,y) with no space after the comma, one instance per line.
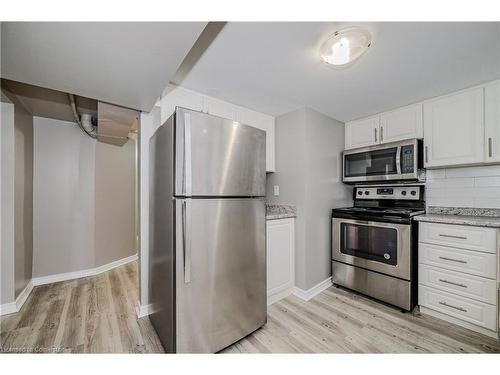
(391,161)
(380,247)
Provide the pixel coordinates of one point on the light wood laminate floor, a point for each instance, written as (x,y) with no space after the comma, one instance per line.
(97,314)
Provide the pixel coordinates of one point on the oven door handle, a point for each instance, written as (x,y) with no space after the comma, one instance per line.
(398,160)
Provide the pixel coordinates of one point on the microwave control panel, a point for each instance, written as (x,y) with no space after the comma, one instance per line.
(407,159)
(411,192)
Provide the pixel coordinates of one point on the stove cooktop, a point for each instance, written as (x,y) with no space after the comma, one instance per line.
(402,212)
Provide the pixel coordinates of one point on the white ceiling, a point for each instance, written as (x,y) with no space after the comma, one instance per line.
(125,63)
(275,68)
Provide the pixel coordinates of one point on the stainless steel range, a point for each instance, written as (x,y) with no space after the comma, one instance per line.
(374,243)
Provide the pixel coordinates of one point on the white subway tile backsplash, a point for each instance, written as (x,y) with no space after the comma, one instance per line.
(487,181)
(464,187)
(486,203)
(455,182)
(488,170)
(458,192)
(435,192)
(449,202)
(432,174)
(486,192)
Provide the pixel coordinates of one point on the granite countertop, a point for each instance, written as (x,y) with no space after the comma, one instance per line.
(481,217)
(280,211)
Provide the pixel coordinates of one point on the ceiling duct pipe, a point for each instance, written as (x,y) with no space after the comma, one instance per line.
(85,123)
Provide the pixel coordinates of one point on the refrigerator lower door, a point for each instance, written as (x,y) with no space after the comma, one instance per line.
(220,272)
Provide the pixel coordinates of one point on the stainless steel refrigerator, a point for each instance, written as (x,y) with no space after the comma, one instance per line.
(207,232)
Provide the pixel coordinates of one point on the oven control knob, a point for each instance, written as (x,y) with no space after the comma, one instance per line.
(403,192)
(367,192)
(360,192)
(413,192)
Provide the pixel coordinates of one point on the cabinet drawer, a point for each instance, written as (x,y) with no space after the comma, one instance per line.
(474,287)
(462,236)
(450,258)
(478,313)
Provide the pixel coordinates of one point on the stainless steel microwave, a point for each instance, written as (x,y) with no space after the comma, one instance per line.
(395,161)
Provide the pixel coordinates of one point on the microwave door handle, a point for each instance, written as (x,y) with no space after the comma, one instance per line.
(398,160)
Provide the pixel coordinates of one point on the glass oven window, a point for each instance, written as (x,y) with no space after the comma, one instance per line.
(371,163)
(369,242)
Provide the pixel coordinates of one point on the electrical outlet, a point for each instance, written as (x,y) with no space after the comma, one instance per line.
(276,190)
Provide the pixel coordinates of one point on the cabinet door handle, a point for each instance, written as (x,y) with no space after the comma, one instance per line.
(451,236)
(453,307)
(453,260)
(381,134)
(490,148)
(375,134)
(426,154)
(452,283)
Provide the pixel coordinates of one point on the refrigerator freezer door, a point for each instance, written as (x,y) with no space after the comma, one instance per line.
(218,157)
(221,244)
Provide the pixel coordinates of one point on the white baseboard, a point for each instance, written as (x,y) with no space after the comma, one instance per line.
(13,307)
(276,296)
(8,308)
(306,295)
(458,322)
(23,296)
(143,310)
(83,273)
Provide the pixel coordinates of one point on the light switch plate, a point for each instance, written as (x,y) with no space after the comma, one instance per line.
(276,190)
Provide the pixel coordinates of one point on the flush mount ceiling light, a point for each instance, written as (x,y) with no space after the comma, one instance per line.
(345,46)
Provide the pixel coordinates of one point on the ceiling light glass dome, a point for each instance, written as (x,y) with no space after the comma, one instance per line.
(345,46)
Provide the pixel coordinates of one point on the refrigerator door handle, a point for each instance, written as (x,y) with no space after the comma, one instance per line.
(187,155)
(186,238)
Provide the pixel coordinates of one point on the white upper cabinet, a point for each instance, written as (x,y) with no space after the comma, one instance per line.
(401,123)
(492,122)
(458,129)
(454,129)
(219,108)
(396,125)
(361,133)
(180,97)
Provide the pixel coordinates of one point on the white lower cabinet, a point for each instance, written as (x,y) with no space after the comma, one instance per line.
(474,287)
(480,314)
(458,275)
(280,258)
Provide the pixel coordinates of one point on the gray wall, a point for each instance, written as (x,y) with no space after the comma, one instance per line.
(290,159)
(17,196)
(324,191)
(64,160)
(84,200)
(7,201)
(23,197)
(115,209)
(308,167)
